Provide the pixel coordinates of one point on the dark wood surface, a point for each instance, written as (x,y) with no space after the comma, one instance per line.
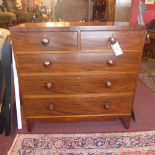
(67,106)
(74,75)
(100,39)
(78,84)
(76,62)
(75,26)
(68,41)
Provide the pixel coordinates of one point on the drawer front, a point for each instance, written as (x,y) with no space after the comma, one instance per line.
(113,105)
(77,62)
(52,85)
(128,40)
(29,41)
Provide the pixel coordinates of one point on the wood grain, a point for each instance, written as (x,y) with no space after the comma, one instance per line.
(77,84)
(77,62)
(77,106)
(33,41)
(100,39)
(75,26)
(76,76)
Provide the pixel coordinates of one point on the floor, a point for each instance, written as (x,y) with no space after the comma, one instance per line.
(147,72)
(144,107)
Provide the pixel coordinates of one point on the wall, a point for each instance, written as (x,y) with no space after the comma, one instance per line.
(150,13)
(148,16)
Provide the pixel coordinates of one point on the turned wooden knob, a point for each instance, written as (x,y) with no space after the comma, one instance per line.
(49,85)
(107,106)
(108,84)
(110,62)
(50,107)
(112,40)
(47,63)
(45,41)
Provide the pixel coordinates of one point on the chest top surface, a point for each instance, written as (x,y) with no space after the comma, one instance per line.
(76,26)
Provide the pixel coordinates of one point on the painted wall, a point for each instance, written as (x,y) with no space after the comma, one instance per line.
(148,16)
(150,13)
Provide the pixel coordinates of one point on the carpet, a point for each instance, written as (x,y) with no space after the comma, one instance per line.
(147,72)
(128,143)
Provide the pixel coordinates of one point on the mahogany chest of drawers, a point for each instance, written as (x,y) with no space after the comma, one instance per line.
(69,72)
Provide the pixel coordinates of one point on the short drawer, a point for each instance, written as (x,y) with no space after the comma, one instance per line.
(77,62)
(77,84)
(103,105)
(31,41)
(128,40)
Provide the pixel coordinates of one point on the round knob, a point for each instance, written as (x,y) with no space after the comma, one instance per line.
(112,40)
(47,63)
(108,84)
(49,85)
(45,41)
(107,106)
(110,62)
(51,107)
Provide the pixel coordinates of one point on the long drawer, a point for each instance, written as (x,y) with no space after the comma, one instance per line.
(77,62)
(103,105)
(31,41)
(78,84)
(128,40)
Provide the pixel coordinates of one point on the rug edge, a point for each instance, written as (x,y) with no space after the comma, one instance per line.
(18,136)
(86,134)
(13,144)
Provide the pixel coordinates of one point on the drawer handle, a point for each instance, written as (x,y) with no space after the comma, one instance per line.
(45,41)
(47,63)
(110,62)
(112,40)
(108,84)
(51,107)
(107,106)
(49,85)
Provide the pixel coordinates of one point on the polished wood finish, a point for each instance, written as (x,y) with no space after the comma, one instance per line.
(68,71)
(75,26)
(100,40)
(67,106)
(46,41)
(77,62)
(77,84)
